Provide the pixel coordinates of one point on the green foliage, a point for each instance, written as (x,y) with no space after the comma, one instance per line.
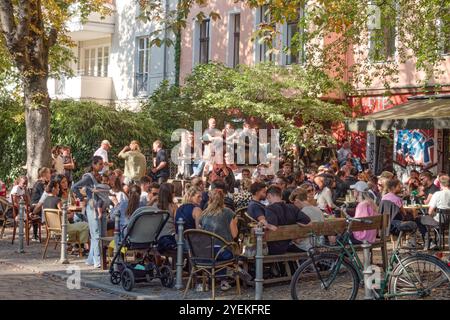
(12,139)
(286,98)
(80,125)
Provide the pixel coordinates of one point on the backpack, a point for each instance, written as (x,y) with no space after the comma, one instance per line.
(100,191)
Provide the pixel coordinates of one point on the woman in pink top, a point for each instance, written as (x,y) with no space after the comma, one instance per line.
(366,208)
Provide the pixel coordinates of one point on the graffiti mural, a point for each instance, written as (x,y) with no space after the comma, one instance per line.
(415,147)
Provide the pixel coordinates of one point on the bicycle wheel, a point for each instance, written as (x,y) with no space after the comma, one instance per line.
(322,281)
(420,277)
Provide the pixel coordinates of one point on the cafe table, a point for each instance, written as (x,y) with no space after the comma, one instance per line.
(415,209)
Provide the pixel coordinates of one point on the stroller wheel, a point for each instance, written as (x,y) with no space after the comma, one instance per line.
(115,277)
(127,279)
(166,276)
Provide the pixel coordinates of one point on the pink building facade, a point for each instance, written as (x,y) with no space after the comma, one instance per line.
(228,40)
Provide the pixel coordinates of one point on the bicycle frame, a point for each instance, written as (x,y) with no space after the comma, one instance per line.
(347,250)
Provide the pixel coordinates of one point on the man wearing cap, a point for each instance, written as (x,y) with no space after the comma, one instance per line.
(135,163)
(103,152)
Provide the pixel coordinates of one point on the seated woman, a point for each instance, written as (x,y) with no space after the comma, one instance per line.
(242,198)
(366,208)
(190,210)
(165,202)
(80,229)
(218,219)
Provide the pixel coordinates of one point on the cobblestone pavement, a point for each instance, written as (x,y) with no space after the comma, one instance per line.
(20,284)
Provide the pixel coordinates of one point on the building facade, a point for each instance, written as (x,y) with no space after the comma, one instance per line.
(229,40)
(115,62)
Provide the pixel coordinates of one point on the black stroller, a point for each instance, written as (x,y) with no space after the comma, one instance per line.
(143,231)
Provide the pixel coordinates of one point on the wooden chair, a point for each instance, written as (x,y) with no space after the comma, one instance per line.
(53,219)
(28,223)
(5,207)
(444,225)
(203,257)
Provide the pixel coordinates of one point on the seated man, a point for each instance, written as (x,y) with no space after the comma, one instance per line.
(256,209)
(278,213)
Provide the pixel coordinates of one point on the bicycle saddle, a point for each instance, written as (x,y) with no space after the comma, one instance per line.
(408,226)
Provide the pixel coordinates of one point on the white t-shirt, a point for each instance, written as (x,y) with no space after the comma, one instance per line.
(16,190)
(324,198)
(440,200)
(59,165)
(104,154)
(143,198)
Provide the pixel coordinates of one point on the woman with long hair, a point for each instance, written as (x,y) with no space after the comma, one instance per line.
(366,207)
(218,219)
(165,202)
(190,209)
(96,225)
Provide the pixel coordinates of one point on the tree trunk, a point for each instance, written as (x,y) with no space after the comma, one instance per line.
(37,119)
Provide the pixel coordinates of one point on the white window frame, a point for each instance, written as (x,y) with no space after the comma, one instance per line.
(301,55)
(93,70)
(142,89)
(258,54)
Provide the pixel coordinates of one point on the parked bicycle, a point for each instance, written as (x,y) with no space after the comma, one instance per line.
(338,275)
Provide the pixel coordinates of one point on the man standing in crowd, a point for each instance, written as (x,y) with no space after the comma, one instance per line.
(161,171)
(135,163)
(343,153)
(103,153)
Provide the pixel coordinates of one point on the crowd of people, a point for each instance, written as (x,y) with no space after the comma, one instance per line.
(216,191)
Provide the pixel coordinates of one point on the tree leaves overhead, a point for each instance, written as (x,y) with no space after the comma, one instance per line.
(284,98)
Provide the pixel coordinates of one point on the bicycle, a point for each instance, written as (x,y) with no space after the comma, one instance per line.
(338,275)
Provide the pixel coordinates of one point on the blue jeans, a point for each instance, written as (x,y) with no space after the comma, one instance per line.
(225,255)
(97,228)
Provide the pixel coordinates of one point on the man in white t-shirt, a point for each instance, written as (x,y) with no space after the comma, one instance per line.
(440,199)
(103,152)
(18,190)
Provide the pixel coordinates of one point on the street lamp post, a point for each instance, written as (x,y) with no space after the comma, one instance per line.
(179,278)
(63,258)
(21,218)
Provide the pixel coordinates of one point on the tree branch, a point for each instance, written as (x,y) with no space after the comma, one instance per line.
(7,24)
(52,37)
(24,21)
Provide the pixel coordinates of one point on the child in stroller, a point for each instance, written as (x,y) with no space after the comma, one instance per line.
(142,233)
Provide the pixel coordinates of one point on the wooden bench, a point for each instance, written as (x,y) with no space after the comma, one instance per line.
(330,227)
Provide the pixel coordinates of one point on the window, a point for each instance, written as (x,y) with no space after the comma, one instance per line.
(96,62)
(204,42)
(293,40)
(236,39)
(143,66)
(264,17)
(382,40)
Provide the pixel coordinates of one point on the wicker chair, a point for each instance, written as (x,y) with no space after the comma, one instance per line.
(53,219)
(205,249)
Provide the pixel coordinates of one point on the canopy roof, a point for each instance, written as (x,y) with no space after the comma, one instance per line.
(420,112)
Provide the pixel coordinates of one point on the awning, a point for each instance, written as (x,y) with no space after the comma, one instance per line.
(420,112)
